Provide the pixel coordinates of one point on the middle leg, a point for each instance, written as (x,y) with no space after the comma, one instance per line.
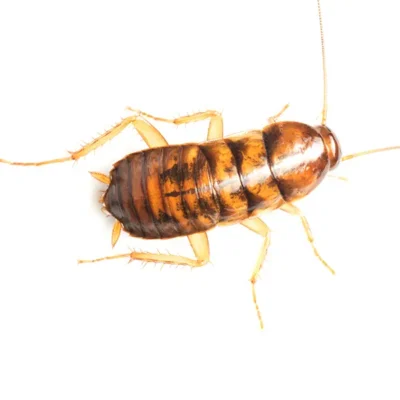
(261,228)
(215,128)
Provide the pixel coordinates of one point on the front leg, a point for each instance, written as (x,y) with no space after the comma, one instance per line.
(293,210)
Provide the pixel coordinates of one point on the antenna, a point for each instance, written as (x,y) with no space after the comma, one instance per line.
(364,153)
(325,98)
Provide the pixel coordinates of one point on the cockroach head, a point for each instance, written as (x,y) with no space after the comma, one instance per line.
(331,144)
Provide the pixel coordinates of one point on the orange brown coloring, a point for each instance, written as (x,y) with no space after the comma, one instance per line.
(180,190)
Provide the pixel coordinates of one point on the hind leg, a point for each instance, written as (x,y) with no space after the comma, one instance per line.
(198,242)
(147,131)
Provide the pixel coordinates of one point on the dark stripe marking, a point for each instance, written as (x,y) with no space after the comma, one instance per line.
(131,203)
(276,181)
(145,193)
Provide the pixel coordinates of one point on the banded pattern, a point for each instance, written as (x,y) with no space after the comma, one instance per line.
(259,184)
(163,193)
(180,190)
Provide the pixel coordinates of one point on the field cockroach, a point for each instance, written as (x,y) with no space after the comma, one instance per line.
(185,190)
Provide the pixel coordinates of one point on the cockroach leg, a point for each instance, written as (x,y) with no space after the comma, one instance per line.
(342,178)
(260,227)
(116,233)
(200,247)
(215,128)
(293,210)
(101,177)
(148,132)
(274,118)
(198,242)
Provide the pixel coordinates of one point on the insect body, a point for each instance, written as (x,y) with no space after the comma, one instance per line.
(185,190)
(173,191)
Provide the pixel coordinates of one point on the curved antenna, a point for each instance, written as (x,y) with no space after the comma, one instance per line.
(325,98)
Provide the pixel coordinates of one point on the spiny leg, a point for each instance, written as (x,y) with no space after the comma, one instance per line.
(261,228)
(274,118)
(215,128)
(198,242)
(153,138)
(293,210)
(148,132)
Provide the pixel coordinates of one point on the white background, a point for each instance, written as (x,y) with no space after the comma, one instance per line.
(117,331)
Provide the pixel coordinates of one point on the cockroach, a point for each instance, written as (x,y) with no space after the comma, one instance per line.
(167,191)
